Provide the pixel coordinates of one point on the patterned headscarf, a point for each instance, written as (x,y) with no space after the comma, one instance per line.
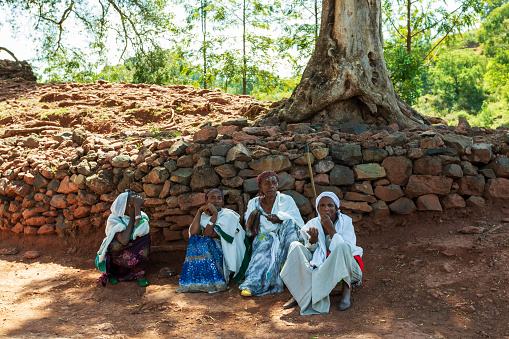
(265,175)
(212,190)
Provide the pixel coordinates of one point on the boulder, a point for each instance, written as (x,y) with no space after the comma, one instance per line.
(59,201)
(458,142)
(86,198)
(429,202)
(204,177)
(426,184)
(471,185)
(191,200)
(232,182)
(500,167)
(374,155)
(452,171)
(178,148)
(324,166)
(40,182)
(497,188)
(398,169)
(121,161)
(102,182)
(79,135)
(182,176)
(428,165)
(346,154)
(452,200)
(286,181)
(238,153)
(276,163)
(67,186)
(250,185)
(380,209)
(371,171)
(226,171)
(205,135)
(341,176)
(152,190)
(389,193)
(403,206)
(179,189)
(480,153)
(158,175)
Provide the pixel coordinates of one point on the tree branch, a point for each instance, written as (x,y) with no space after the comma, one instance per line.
(11,54)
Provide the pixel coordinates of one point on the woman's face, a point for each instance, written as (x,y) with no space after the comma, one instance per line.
(327,206)
(269,186)
(216,199)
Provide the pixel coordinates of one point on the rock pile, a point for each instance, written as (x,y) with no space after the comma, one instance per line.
(16,69)
(65,182)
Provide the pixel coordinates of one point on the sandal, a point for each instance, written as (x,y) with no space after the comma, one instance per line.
(113,281)
(143,282)
(245,293)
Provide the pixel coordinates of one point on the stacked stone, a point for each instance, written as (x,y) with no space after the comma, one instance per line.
(374,172)
(16,69)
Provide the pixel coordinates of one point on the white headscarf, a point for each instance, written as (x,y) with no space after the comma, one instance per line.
(118,221)
(331,195)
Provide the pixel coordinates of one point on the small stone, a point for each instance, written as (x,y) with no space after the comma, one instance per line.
(471,230)
(32,255)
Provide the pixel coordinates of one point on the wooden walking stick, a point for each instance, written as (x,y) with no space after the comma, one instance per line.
(310,170)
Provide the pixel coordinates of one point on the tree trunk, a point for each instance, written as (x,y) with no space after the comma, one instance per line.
(346,78)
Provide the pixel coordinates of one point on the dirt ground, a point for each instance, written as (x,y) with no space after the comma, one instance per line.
(422,279)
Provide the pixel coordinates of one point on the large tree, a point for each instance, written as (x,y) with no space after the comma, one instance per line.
(346,78)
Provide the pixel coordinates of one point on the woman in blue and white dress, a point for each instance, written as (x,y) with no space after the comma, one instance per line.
(217,247)
(274,220)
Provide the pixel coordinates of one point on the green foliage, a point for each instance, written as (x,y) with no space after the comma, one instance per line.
(458,80)
(405,71)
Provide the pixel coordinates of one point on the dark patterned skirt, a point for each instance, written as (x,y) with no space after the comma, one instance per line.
(127,262)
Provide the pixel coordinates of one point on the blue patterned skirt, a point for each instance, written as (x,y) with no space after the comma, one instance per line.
(203,267)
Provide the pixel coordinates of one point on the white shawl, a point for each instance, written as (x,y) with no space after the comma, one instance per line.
(344,233)
(117,222)
(233,253)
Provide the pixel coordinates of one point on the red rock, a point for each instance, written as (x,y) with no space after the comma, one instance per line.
(428,165)
(159,223)
(181,220)
(172,235)
(29,230)
(31,255)
(471,230)
(46,229)
(232,182)
(18,228)
(354,196)
(29,178)
(59,201)
(190,200)
(166,190)
(36,221)
(82,211)
(398,169)
(389,193)
(429,202)
(426,184)
(99,207)
(453,201)
(322,179)
(403,206)
(153,202)
(243,137)
(380,209)
(228,129)
(205,135)
(356,206)
(84,225)
(472,185)
(497,188)
(476,202)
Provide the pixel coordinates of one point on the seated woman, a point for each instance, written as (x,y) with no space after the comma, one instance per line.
(330,259)
(216,248)
(274,220)
(123,254)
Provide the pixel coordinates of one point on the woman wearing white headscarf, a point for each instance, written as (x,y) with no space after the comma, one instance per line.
(330,259)
(123,254)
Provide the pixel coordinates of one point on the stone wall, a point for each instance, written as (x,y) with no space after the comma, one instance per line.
(65,183)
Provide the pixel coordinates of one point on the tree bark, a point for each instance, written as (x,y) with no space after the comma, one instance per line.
(346,79)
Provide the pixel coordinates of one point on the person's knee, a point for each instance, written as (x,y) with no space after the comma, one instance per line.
(343,248)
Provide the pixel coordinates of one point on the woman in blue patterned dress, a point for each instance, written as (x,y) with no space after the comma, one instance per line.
(216,248)
(274,220)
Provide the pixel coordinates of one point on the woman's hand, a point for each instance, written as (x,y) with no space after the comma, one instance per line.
(138,201)
(273,218)
(212,209)
(327,224)
(313,235)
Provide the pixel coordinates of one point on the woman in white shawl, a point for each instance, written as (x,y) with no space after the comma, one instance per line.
(330,259)
(123,254)
(216,248)
(274,220)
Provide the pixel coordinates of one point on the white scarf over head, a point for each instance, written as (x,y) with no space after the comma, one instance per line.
(117,222)
(344,232)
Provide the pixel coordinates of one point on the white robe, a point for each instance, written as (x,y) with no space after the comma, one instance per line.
(310,275)
(234,252)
